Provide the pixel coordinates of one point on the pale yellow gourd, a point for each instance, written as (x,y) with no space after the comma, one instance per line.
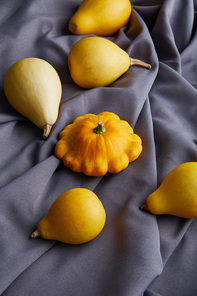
(100,17)
(177,195)
(33,87)
(96,62)
(76,217)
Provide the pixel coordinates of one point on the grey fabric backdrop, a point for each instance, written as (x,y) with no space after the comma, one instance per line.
(136,253)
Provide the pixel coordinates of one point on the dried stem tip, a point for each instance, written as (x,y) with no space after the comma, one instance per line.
(72,27)
(139,63)
(144,207)
(35,233)
(47,130)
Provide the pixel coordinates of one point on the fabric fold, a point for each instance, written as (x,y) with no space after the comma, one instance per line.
(137,253)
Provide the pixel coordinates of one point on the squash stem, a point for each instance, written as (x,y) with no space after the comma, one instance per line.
(139,63)
(144,207)
(72,27)
(100,128)
(35,233)
(47,130)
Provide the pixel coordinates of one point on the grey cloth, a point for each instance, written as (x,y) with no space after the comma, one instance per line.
(136,253)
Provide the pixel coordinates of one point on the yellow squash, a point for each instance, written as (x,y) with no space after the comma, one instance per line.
(96,62)
(97,144)
(100,17)
(76,217)
(177,194)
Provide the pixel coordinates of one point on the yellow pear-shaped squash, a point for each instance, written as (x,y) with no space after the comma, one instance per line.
(76,217)
(100,17)
(97,144)
(177,195)
(96,62)
(33,87)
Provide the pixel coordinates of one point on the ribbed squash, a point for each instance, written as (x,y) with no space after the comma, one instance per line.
(97,144)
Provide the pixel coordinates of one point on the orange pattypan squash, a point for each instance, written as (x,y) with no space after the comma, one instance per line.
(97,144)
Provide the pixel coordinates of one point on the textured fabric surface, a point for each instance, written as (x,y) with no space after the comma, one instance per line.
(136,253)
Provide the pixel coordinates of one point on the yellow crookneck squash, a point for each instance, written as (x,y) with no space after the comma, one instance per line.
(97,144)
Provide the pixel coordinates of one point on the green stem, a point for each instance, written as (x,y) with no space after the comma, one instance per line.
(100,128)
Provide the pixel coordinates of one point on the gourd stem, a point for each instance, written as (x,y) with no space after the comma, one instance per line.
(47,130)
(139,63)
(100,128)
(35,233)
(72,27)
(144,207)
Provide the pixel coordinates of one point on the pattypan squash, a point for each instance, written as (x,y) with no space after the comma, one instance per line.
(97,144)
